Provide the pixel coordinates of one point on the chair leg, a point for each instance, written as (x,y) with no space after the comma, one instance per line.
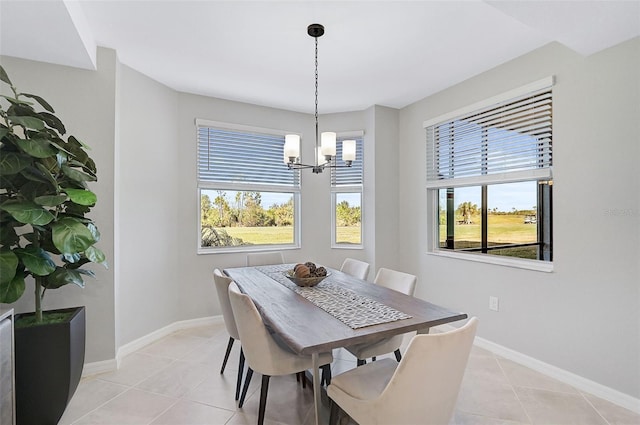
(263,398)
(226,355)
(326,375)
(398,355)
(247,380)
(361,362)
(335,412)
(240,371)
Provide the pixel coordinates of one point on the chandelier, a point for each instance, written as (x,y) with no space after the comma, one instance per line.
(326,143)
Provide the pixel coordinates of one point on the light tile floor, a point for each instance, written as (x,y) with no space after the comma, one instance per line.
(176,381)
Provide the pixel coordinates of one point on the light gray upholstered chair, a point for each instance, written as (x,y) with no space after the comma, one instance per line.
(421,389)
(222,288)
(398,281)
(264,355)
(355,268)
(264,258)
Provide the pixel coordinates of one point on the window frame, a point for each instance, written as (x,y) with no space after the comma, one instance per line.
(353,188)
(201,185)
(433,187)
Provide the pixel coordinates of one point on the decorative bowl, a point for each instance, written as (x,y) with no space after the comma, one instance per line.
(304,281)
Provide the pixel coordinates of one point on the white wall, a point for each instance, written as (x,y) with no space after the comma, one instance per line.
(584,317)
(149,275)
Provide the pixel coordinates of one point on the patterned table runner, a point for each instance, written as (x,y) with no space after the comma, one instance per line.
(352,309)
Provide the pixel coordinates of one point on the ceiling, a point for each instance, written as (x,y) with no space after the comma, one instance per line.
(389,53)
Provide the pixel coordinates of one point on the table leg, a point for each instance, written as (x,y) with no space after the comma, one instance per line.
(315,358)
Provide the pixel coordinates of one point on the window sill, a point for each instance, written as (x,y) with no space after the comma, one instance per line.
(245,249)
(519,263)
(346,246)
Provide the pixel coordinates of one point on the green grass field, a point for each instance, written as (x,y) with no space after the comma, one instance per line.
(283,235)
(502,229)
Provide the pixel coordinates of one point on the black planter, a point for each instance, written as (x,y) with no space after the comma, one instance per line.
(48,360)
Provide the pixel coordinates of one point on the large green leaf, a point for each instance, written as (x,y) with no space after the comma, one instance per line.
(28,122)
(12,163)
(53,122)
(3,131)
(36,260)
(40,100)
(15,101)
(28,212)
(77,175)
(61,277)
(8,266)
(48,175)
(70,236)
(95,255)
(81,196)
(50,200)
(35,175)
(8,235)
(13,290)
(4,77)
(39,148)
(94,231)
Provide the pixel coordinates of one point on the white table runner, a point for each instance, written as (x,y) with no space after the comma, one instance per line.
(352,309)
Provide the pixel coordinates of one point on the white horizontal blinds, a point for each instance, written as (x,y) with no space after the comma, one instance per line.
(348,176)
(508,141)
(240,156)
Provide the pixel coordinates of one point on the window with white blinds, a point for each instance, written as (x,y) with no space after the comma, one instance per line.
(348,176)
(346,195)
(507,142)
(489,179)
(248,198)
(242,156)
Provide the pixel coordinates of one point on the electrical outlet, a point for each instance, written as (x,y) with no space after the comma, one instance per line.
(493,303)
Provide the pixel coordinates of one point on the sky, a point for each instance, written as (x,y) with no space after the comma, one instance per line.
(504,197)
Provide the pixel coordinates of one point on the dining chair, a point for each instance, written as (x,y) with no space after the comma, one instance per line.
(355,268)
(264,258)
(222,288)
(421,389)
(263,354)
(398,281)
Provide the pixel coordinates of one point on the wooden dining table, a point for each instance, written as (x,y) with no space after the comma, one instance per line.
(309,330)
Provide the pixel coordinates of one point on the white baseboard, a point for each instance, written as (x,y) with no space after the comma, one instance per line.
(569,378)
(113,364)
(95,368)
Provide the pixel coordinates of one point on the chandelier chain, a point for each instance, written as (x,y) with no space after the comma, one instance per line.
(293,152)
(316,38)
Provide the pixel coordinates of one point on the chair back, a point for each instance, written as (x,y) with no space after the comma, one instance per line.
(398,281)
(264,258)
(222,288)
(260,348)
(426,383)
(355,268)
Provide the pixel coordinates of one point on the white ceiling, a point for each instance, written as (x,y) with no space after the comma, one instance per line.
(389,53)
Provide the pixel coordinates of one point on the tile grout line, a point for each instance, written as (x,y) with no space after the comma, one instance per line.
(513,389)
(594,408)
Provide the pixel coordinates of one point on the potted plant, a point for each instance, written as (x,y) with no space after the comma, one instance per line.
(45,235)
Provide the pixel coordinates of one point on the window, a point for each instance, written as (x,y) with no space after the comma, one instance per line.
(346,194)
(248,197)
(489,175)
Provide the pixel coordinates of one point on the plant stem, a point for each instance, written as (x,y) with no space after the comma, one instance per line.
(38,296)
